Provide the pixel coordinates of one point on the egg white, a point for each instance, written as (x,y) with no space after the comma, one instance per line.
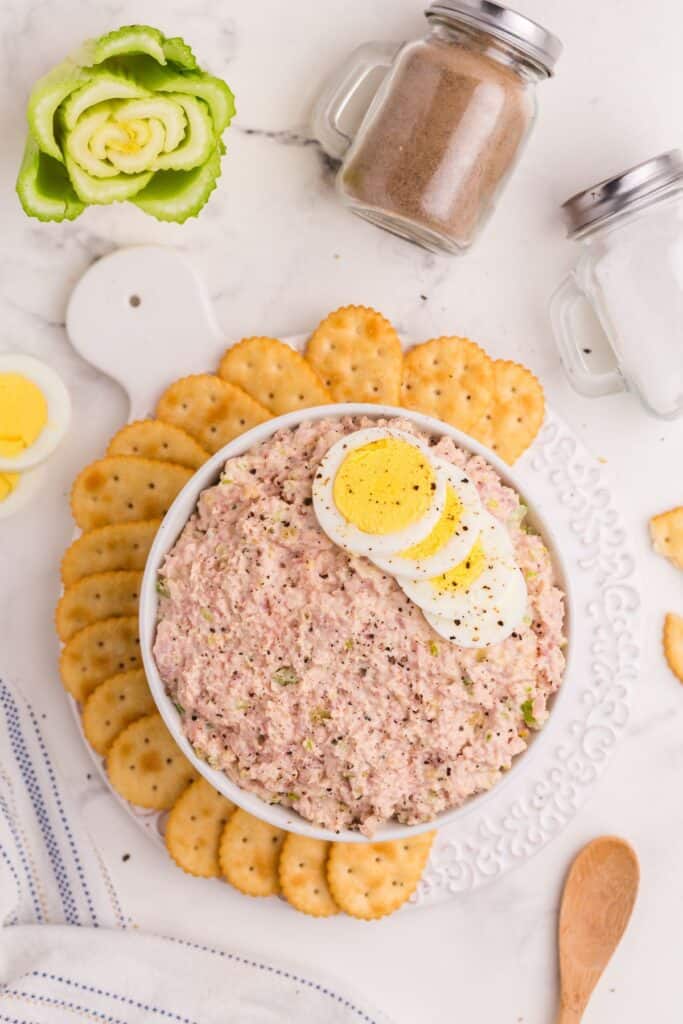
(344,533)
(28,485)
(461,540)
(485,592)
(58,411)
(484,625)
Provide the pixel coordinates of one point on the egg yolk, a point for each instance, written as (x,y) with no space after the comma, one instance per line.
(463,575)
(384,486)
(442,532)
(8,481)
(23,413)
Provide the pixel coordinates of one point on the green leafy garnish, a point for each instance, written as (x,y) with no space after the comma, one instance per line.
(527,709)
(292,796)
(132,117)
(308,744)
(285,676)
(179,707)
(466,681)
(162,587)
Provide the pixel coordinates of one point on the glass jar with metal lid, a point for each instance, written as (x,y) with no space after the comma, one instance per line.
(446,123)
(629,277)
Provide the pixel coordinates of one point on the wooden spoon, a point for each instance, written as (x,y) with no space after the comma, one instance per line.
(598,898)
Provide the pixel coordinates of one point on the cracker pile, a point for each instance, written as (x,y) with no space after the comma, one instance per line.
(118,502)
(666,531)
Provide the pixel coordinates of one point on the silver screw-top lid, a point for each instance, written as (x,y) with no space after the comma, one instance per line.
(525,35)
(613,196)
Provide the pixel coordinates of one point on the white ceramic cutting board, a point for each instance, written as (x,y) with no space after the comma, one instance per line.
(143,316)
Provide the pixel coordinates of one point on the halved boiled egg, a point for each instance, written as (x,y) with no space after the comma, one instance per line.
(378,491)
(34,412)
(480,600)
(17,489)
(484,625)
(452,537)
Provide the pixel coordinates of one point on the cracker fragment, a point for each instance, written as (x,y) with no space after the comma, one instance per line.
(357,354)
(673,643)
(516,413)
(666,531)
(146,767)
(211,410)
(249,854)
(152,439)
(106,595)
(113,705)
(273,374)
(194,828)
(303,875)
(124,488)
(100,650)
(450,378)
(121,546)
(370,881)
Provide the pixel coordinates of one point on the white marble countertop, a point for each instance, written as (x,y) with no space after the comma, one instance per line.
(278,252)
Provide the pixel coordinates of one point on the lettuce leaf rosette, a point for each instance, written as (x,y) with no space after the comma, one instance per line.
(130,117)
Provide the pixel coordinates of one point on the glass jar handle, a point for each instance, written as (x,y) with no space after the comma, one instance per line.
(341,90)
(585,381)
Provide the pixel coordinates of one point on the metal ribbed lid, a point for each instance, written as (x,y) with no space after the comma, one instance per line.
(615,195)
(526,35)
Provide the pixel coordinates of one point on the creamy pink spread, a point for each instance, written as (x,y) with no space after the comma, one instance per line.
(308,677)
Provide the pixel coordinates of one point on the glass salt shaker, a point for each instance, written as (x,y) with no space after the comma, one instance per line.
(629,276)
(447,122)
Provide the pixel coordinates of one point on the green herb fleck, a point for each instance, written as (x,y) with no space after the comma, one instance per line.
(308,743)
(179,707)
(206,614)
(527,709)
(433,648)
(466,681)
(292,796)
(285,676)
(349,645)
(162,587)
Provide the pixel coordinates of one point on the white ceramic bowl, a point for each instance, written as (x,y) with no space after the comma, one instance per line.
(174,521)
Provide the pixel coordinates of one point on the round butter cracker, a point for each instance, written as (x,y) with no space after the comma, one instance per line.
(372,880)
(274,375)
(194,828)
(249,854)
(113,705)
(303,875)
(146,767)
(357,354)
(152,439)
(105,595)
(99,651)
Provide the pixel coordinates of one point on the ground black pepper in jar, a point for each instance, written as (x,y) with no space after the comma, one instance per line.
(446,125)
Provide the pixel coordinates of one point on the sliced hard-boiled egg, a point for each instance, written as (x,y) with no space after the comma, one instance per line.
(452,537)
(378,491)
(34,412)
(17,489)
(481,598)
(484,625)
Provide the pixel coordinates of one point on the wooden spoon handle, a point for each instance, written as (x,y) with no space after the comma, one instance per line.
(569,1016)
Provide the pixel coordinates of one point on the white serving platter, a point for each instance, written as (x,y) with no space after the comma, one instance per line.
(158,325)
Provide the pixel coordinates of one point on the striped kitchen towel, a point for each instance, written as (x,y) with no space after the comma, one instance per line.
(66,954)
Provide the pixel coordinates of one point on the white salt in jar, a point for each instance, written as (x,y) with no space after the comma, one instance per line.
(630,274)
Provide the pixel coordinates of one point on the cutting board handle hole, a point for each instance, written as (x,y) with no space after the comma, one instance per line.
(134,301)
